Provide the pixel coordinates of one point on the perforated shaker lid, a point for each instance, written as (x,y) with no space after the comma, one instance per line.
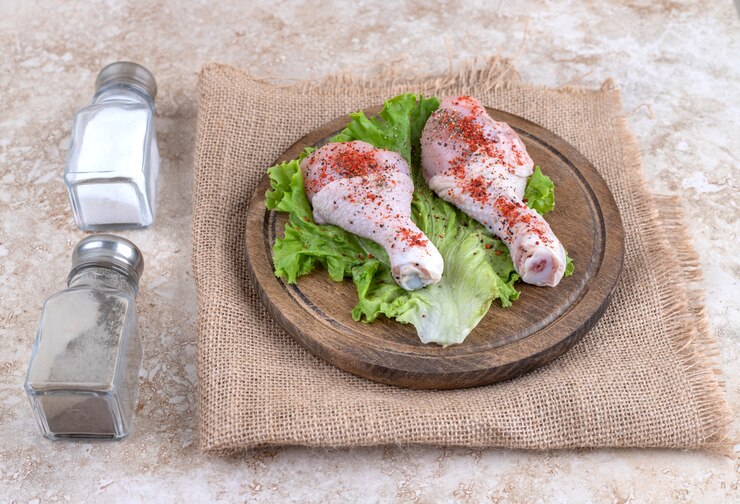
(108,250)
(127,72)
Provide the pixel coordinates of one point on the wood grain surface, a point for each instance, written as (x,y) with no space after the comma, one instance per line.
(543,324)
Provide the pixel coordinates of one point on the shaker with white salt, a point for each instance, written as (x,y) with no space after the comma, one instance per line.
(113,160)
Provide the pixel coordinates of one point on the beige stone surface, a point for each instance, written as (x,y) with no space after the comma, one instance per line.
(677,65)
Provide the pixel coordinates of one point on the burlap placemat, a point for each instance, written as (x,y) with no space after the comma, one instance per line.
(642,378)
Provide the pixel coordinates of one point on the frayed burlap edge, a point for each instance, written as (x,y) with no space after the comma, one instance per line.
(494,72)
(694,340)
(681,295)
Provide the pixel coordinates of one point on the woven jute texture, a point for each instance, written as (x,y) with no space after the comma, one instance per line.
(643,377)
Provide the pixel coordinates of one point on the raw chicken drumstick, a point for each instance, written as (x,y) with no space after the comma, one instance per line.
(481,166)
(367,191)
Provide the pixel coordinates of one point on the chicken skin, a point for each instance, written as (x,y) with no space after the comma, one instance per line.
(481,166)
(367,191)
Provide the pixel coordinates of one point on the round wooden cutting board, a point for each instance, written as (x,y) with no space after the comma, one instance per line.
(544,323)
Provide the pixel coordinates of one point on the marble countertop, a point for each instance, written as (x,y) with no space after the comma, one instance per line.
(676,63)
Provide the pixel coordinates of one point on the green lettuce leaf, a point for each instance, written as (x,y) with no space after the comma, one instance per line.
(540,192)
(569,265)
(478,267)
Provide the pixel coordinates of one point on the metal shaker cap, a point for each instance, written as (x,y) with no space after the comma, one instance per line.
(107,251)
(127,72)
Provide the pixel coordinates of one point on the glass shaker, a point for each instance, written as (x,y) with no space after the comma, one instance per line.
(83,375)
(113,160)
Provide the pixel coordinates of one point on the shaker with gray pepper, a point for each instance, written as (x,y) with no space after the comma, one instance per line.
(83,375)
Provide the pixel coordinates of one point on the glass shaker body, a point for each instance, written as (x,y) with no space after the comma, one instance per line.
(113,159)
(83,376)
